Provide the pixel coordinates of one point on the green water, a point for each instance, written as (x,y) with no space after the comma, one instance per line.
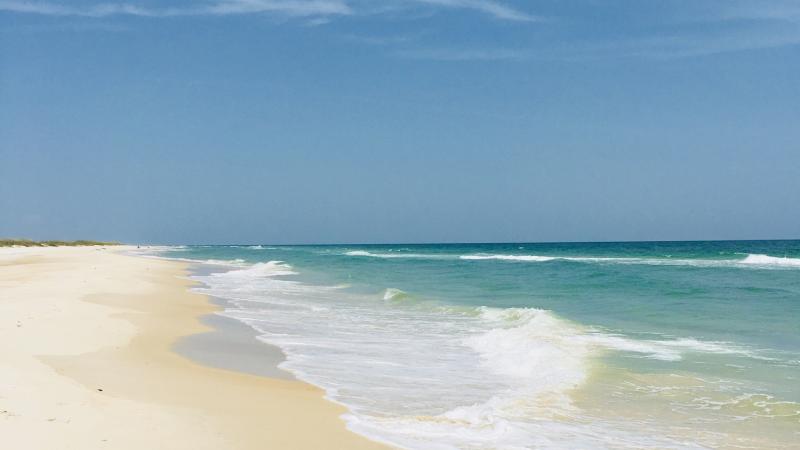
(698,340)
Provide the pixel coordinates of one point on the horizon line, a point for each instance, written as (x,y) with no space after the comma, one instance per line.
(481,243)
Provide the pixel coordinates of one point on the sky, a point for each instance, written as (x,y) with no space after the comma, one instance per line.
(381,121)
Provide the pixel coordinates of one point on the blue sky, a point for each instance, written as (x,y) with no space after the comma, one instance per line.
(293,121)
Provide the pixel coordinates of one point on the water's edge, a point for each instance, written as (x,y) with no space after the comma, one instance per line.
(231,344)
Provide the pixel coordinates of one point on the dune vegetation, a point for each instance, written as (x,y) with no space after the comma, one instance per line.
(31,243)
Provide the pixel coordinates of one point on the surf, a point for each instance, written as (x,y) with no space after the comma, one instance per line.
(501,347)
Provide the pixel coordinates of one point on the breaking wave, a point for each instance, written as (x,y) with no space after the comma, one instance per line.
(396,255)
(394,294)
(532,258)
(766,260)
(752,261)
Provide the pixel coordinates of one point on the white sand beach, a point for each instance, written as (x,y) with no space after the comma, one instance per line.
(86,338)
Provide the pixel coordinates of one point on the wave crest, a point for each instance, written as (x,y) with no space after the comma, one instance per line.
(766,260)
(532,344)
(514,346)
(533,258)
(259,270)
(394,294)
(395,255)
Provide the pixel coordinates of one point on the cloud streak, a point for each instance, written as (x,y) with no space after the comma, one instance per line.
(772,10)
(735,25)
(492,8)
(302,8)
(222,7)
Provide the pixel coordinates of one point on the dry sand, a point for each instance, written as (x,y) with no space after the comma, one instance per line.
(86,362)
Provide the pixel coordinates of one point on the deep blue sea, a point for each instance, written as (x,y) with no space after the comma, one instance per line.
(517,346)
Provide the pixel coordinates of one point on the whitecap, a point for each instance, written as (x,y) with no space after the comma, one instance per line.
(394,294)
(766,260)
(531,258)
(395,255)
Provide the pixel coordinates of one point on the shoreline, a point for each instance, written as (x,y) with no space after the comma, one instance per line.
(232,345)
(229,343)
(89,362)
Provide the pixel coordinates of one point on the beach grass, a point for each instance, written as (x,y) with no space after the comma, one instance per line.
(32,243)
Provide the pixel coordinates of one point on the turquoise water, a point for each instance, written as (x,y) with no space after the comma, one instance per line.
(575,345)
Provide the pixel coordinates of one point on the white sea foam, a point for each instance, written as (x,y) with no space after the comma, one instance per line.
(420,378)
(765,260)
(532,258)
(423,376)
(751,261)
(718,347)
(760,404)
(394,294)
(648,349)
(534,347)
(535,359)
(501,342)
(212,262)
(584,259)
(396,255)
(430,377)
(258,270)
(224,262)
(669,349)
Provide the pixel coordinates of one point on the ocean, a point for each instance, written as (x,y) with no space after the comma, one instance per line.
(514,346)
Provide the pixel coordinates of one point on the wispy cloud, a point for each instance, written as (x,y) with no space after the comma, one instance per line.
(67,27)
(229,7)
(673,46)
(773,10)
(691,28)
(221,7)
(493,8)
(693,46)
(294,7)
(725,26)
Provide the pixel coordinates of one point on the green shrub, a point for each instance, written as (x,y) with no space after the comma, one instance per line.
(30,243)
